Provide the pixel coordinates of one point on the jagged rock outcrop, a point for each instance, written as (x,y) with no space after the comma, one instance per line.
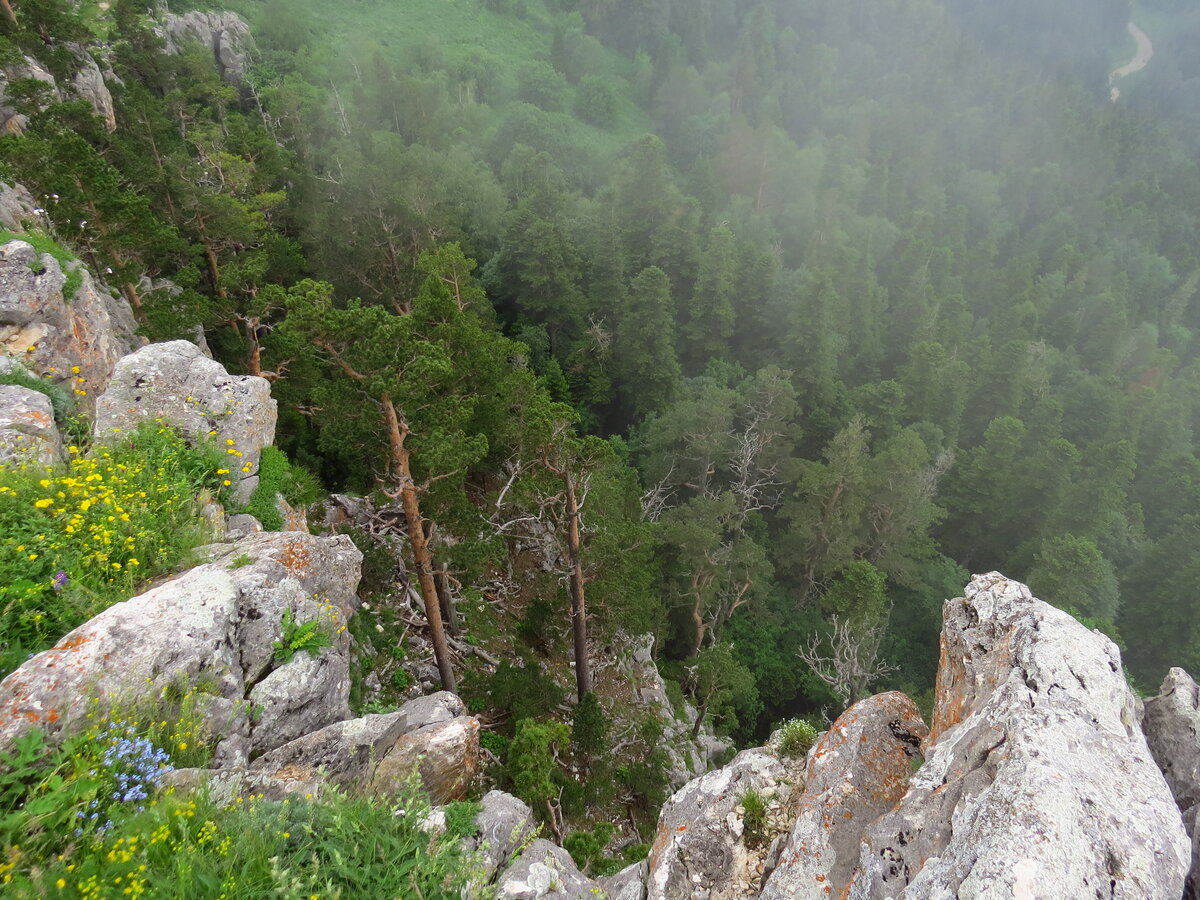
(858,771)
(214,624)
(699,852)
(1037,781)
(1171,723)
(75,341)
(87,84)
(445,754)
(176,382)
(27,429)
(226,34)
(506,825)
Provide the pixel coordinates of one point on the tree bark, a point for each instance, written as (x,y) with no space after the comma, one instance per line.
(397,433)
(8,11)
(583,666)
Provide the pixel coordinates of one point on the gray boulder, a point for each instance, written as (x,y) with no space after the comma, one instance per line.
(506,825)
(10,120)
(858,771)
(628,884)
(699,852)
(74,341)
(214,623)
(225,34)
(276,572)
(27,429)
(445,756)
(1172,727)
(303,695)
(17,207)
(545,871)
(176,382)
(181,631)
(1037,782)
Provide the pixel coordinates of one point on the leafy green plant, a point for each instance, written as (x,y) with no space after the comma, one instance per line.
(242,559)
(310,637)
(796,736)
(400,678)
(460,818)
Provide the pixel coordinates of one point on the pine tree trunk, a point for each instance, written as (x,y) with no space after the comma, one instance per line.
(416,537)
(8,11)
(583,667)
(446,599)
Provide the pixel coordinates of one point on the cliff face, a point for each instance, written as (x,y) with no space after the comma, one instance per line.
(1036,780)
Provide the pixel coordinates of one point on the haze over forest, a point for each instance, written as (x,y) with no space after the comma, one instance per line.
(846,300)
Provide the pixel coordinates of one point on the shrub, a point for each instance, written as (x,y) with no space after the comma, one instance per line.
(278,476)
(460,818)
(796,737)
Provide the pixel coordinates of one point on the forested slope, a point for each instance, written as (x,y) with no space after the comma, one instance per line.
(821,305)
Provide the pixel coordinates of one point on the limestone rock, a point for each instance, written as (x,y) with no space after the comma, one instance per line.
(688,758)
(698,853)
(445,754)
(176,382)
(505,825)
(89,85)
(628,884)
(27,429)
(226,34)
(17,207)
(346,753)
(179,631)
(275,572)
(10,120)
(1037,782)
(1172,727)
(857,772)
(545,871)
(75,341)
(303,695)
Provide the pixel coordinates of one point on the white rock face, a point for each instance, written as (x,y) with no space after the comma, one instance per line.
(1037,781)
(16,207)
(505,824)
(176,382)
(27,429)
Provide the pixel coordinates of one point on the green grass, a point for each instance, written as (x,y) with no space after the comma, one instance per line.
(67,260)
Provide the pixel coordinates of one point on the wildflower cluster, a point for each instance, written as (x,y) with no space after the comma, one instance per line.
(75,540)
(133,766)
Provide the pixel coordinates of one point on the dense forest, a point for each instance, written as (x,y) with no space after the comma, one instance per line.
(771,320)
